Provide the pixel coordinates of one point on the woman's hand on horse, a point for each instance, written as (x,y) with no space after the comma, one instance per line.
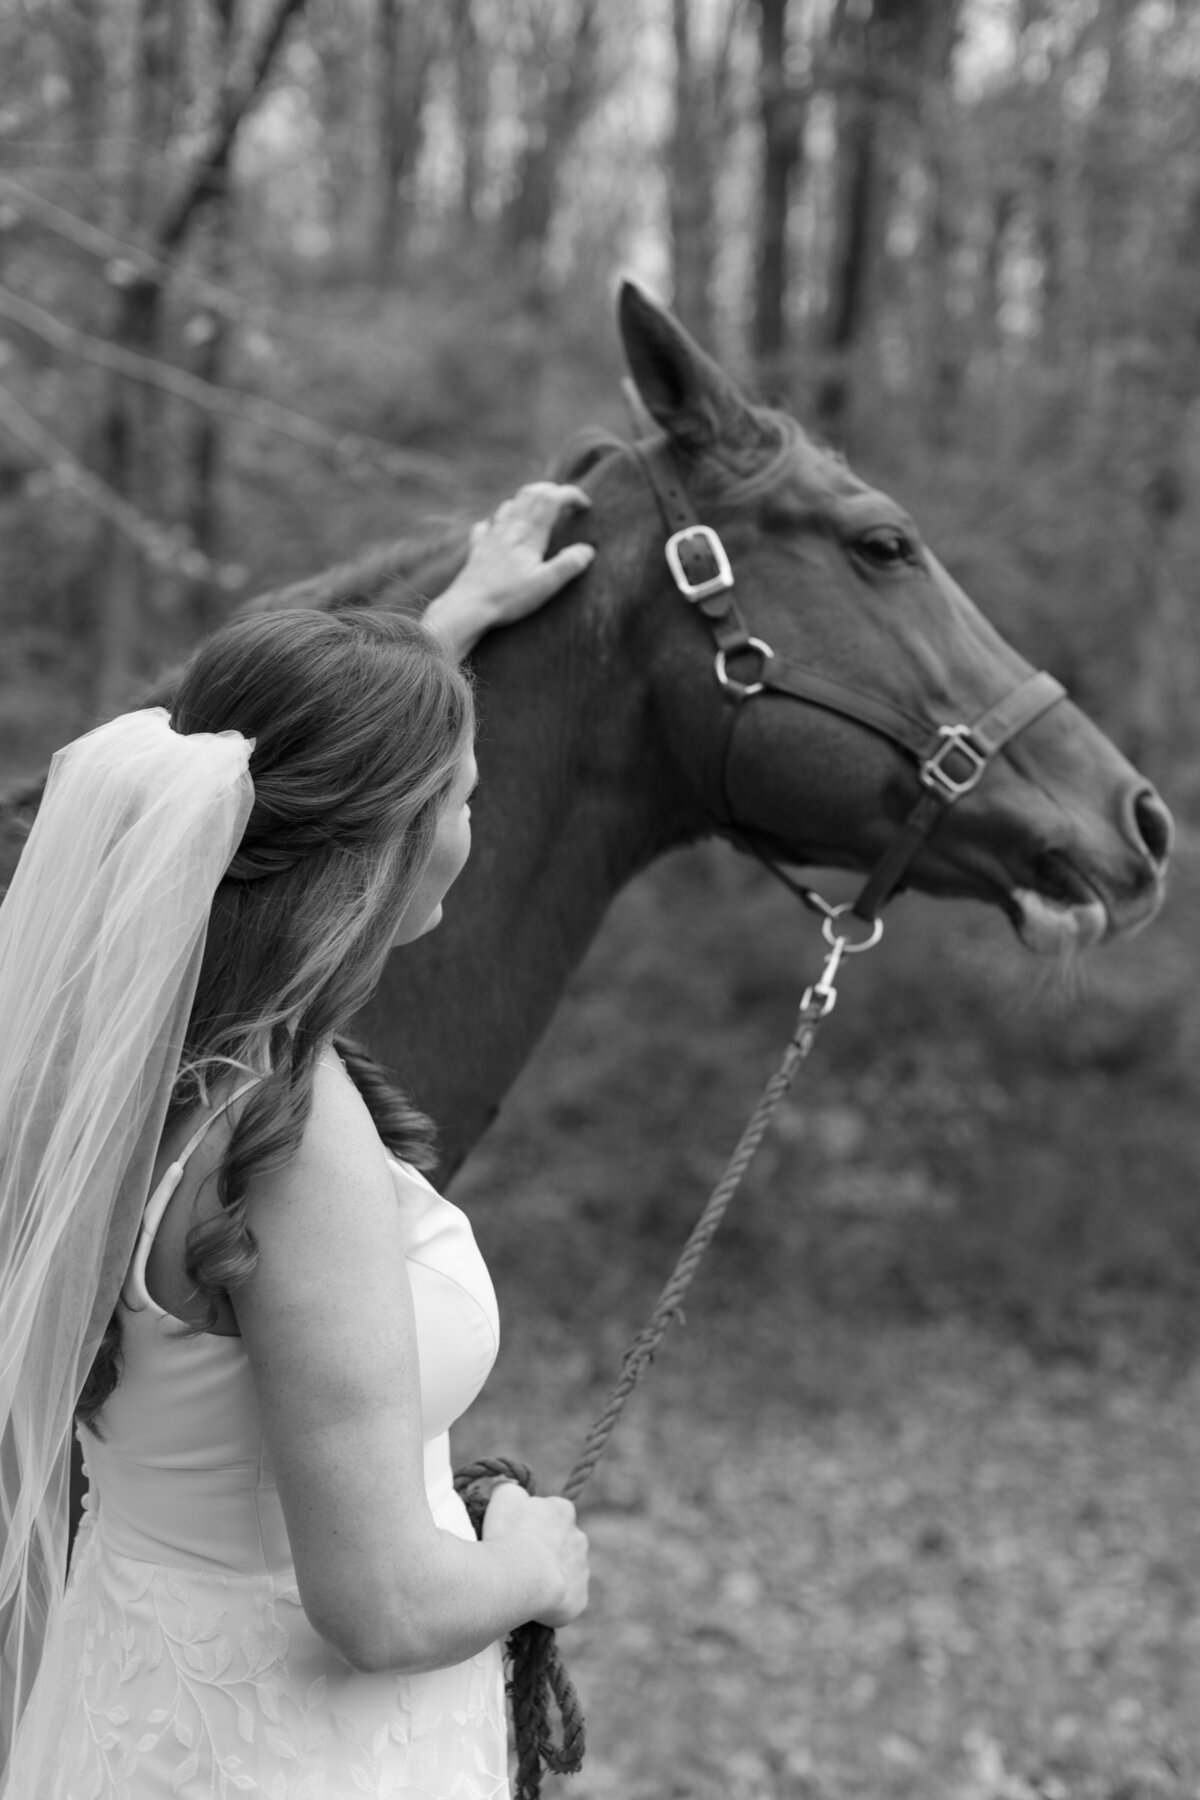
(506,567)
(512,1513)
(507,573)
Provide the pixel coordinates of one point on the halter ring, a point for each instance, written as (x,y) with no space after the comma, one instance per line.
(741,690)
(832,936)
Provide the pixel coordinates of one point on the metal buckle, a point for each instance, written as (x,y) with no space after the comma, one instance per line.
(699,590)
(741,690)
(935,775)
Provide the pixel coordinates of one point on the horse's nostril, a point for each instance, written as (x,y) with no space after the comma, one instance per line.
(1152,824)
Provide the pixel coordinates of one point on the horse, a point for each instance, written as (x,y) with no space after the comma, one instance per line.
(611,733)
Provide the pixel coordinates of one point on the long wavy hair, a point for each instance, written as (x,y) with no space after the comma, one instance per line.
(360,722)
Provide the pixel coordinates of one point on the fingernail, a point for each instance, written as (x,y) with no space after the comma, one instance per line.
(586,553)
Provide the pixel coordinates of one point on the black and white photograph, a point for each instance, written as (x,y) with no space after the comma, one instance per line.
(600,899)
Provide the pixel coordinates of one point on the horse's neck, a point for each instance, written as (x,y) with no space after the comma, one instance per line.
(570,806)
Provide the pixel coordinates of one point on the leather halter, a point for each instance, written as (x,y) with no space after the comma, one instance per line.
(951,759)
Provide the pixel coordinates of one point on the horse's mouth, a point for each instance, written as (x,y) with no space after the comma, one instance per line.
(1068,912)
(1050,926)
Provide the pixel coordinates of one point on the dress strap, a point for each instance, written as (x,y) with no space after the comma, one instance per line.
(135,1293)
(202,1131)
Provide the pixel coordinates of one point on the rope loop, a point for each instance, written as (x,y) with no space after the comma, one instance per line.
(537,1674)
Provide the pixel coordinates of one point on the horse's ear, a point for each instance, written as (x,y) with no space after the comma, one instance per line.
(640,416)
(682,388)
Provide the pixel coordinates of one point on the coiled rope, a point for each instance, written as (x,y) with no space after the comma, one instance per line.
(537,1677)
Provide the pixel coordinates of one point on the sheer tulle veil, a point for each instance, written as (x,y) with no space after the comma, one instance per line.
(101,936)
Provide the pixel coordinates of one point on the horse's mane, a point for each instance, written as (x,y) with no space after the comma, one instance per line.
(732,470)
(387,571)
(741,470)
(729,470)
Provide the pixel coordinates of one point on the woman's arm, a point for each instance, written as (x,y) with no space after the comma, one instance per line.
(327,1323)
(506,574)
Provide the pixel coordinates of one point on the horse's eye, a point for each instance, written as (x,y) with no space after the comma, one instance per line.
(886,547)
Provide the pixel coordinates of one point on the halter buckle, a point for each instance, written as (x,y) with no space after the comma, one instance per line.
(714,584)
(934,773)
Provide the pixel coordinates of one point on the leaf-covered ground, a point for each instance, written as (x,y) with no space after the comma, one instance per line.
(970,1576)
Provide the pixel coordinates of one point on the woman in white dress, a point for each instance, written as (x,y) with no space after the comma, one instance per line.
(275,1590)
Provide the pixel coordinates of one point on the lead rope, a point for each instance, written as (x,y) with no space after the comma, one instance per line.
(537,1675)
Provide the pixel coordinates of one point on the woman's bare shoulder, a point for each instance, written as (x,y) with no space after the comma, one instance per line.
(338,1121)
(340,1134)
(320,1220)
(339,1152)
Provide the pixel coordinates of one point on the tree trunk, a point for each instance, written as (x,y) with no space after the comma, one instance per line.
(123,581)
(131,437)
(389,130)
(121,626)
(1165,675)
(1112,196)
(205,439)
(691,200)
(404,45)
(847,308)
(943,363)
(887,54)
(570,92)
(942,322)
(81,49)
(471,101)
(782,109)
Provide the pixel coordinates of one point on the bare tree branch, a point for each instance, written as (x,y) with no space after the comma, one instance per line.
(349,451)
(236,99)
(166,547)
(126,261)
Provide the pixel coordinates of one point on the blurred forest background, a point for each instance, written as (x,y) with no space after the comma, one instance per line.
(910,1506)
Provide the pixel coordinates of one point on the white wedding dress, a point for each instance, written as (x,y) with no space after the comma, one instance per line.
(191,1668)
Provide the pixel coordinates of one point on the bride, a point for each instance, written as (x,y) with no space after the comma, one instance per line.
(217,1251)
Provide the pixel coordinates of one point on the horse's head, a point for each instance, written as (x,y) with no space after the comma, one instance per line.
(1058,830)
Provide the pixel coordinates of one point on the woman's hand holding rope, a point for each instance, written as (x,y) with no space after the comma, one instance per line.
(512,1512)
